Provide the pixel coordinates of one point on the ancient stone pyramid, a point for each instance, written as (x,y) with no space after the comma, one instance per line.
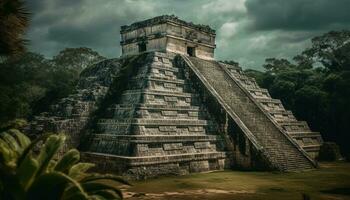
(167,107)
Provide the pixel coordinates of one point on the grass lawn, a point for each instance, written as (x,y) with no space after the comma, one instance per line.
(331,181)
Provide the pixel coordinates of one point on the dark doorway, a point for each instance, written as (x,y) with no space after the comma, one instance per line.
(191,51)
(142,47)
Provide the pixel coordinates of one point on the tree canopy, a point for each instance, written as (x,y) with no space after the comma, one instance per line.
(30,83)
(315,85)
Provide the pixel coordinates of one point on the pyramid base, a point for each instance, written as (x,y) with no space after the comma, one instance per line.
(137,168)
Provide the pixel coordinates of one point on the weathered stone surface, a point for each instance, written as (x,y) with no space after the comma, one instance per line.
(159,113)
(168,34)
(168,121)
(71,114)
(266,128)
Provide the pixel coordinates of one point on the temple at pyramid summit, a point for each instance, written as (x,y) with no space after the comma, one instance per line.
(165,106)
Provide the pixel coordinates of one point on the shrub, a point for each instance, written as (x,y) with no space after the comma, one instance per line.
(26,174)
(329,151)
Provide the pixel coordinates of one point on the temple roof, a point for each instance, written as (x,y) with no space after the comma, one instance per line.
(163,19)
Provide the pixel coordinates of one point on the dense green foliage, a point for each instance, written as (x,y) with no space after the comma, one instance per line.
(316,86)
(31,83)
(29,173)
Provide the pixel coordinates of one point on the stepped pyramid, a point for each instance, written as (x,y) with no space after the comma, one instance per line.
(167,107)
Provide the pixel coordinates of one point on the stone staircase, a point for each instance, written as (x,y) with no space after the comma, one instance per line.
(157,127)
(308,140)
(242,97)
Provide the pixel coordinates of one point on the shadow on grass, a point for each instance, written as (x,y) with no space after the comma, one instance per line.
(277,189)
(341,191)
(184,185)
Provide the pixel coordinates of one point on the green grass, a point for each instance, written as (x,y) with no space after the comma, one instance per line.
(331,181)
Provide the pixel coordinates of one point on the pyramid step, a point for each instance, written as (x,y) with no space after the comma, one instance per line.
(156,138)
(155,67)
(281,112)
(157,84)
(303,134)
(259,93)
(152,145)
(165,73)
(163,93)
(157,97)
(281,116)
(266,132)
(295,126)
(156,160)
(271,105)
(155,79)
(142,121)
(312,148)
(159,71)
(126,111)
(141,106)
(272,101)
(154,126)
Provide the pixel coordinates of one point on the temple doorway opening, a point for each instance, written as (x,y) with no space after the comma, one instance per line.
(142,47)
(191,51)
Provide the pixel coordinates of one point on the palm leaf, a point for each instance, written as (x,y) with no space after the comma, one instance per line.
(96,177)
(52,186)
(23,140)
(48,151)
(79,169)
(30,147)
(12,143)
(91,187)
(51,166)
(97,197)
(107,194)
(67,161)
(27,170)
(7,155)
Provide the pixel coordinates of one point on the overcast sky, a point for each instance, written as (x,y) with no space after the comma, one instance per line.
(248,31)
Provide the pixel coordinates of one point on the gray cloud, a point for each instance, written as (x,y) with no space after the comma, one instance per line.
(298,14)
(247,30)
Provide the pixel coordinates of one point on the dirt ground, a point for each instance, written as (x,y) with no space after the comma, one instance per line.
(330,182)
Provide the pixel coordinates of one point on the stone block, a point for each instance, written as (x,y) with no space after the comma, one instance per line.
(199,166)
(169,113)
(172,146)
(202,145)
(167,128)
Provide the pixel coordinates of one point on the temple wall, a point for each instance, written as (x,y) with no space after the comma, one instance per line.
(151,45)
(156,44)
(170,29)
(129,49)
(205,53)
(180,47)
(190,34)
(176,46)
(142,32)
(169,37)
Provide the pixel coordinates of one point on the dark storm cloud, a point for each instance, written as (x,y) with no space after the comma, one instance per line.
(36,5)
(298,14)
(248,31)
(95,32)
(75,35)
(69,3)
(60,24)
